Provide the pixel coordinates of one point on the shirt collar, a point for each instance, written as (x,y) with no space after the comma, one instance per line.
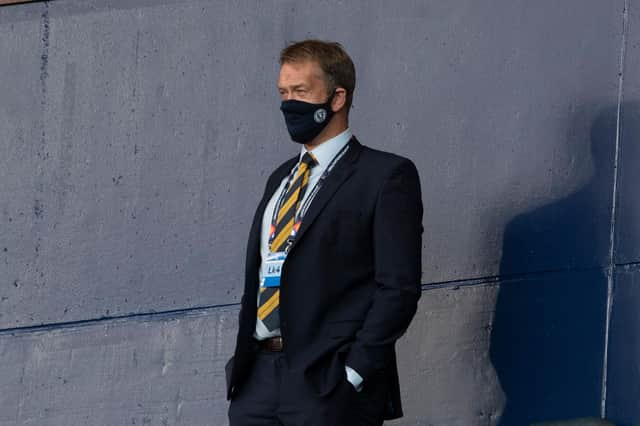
(328,149)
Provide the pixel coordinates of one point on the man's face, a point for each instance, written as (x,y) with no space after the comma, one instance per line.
(302,81)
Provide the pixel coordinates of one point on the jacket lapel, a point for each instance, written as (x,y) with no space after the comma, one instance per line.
(340,173)
(253,245)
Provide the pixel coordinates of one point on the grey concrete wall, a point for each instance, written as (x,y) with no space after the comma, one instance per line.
(135,140)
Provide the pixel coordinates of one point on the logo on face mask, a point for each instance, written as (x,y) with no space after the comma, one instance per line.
(319,115)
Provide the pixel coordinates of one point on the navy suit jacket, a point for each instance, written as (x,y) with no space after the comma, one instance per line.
(352,279)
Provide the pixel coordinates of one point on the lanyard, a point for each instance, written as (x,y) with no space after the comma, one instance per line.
(305,206)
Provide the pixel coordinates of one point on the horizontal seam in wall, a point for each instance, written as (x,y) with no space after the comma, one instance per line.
(159,315)
(199,310)
(627,264)
(493,279)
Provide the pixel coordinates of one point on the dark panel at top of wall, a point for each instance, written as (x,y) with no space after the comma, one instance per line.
(628,208)
(8,2)
(137,140)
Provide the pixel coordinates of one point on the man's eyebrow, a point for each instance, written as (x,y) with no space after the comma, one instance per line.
(294,86)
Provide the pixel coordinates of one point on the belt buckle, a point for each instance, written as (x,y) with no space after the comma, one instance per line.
(278,343)
(273,344)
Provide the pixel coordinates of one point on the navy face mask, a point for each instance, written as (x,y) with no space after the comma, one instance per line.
(306,120)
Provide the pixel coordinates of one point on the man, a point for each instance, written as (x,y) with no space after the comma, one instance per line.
(333,264)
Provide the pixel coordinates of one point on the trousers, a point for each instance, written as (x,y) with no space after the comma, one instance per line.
(276,395)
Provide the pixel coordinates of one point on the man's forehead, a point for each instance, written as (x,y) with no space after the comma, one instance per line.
(300,70)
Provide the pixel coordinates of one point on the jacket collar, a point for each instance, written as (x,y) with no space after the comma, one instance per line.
(340,173)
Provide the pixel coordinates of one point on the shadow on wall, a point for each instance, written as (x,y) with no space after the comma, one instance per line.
(547,341)
(623,377)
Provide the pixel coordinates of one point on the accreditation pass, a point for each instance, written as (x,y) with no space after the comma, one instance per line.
(273,269)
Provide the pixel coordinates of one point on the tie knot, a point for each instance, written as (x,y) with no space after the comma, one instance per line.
(309,159)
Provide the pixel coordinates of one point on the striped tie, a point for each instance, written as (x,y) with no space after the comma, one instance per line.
(268,308)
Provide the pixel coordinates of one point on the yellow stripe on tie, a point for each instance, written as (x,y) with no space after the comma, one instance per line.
(300,172)
(269,305)
(287,205)
(282,236)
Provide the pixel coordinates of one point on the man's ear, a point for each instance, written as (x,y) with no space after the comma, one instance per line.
(339,99)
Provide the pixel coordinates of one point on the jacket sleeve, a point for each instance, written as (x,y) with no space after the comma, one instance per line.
(397,240)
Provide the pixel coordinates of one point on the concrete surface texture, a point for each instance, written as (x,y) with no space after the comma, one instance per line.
(136,138)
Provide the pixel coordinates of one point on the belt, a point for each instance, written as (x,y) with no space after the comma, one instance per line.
(272,344)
